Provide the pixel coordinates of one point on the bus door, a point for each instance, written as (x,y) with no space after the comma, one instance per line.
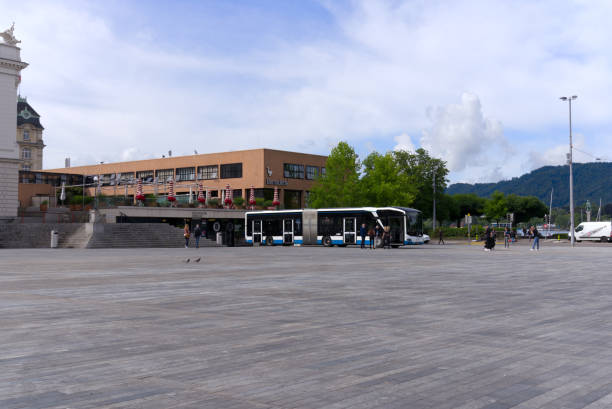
(288,231)
(350,226)
(397,229)
(256,231)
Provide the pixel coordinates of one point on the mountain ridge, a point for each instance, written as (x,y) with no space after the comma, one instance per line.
(592,181)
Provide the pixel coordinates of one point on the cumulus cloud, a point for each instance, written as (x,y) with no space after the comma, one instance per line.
(403,142)
(461,135)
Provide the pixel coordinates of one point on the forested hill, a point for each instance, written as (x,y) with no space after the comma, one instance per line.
(592,181)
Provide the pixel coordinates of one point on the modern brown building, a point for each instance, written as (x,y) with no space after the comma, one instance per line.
(263,169)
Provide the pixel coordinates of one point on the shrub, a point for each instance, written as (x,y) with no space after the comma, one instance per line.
(267,203)
(239,201)
(213,202)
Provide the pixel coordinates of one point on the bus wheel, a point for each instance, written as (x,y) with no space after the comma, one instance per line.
(378,242)
(604,239)
(327,241)
(269,241)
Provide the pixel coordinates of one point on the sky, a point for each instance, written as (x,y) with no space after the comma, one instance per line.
(476,83)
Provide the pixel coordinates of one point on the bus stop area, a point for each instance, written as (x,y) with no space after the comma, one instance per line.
(306,327)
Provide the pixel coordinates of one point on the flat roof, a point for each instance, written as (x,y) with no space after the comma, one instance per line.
(170,158)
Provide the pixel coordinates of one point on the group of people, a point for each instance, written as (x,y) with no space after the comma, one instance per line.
(375,234)
(510,237)
(197,234)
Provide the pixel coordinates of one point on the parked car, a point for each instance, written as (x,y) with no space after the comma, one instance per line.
(596,231)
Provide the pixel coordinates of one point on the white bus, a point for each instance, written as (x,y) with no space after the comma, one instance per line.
(330,227)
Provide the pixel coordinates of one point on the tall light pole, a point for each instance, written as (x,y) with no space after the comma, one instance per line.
(571,174)
(435,170)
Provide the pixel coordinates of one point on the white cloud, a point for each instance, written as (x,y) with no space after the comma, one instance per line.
(462,136)
(403,142)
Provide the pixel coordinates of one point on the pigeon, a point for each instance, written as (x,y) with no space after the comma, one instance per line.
(187,261)
(197,260)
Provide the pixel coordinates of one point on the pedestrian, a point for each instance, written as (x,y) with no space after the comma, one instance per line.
(507,237)
(489,241)
(441,239)
(197,233)
(372,235)
(186,234)
(363,232)
(536,238)
(386,237)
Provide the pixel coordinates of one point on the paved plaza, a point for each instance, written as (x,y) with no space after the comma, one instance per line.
(423,327)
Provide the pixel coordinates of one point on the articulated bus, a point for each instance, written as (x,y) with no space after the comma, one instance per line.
(330,227)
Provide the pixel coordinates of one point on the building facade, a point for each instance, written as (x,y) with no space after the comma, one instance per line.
(10,76)
(263,169)
(29,136)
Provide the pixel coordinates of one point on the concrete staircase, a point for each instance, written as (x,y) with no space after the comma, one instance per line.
(132,235)
(77,239)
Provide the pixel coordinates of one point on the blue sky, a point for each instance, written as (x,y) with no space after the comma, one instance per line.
(475,82)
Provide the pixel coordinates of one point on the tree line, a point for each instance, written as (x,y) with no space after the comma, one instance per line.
(402,178)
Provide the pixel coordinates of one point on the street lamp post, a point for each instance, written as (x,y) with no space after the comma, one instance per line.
(571,174)
(435,170)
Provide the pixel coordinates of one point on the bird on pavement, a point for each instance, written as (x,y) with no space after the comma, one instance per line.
(187,261)
(197,260)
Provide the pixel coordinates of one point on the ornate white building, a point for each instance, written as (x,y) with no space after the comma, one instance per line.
(10,69)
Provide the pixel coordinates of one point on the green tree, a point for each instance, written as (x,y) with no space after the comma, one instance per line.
(420,168)
(383,184)
(340,185)
(496,208)
(525,207)
(468,203)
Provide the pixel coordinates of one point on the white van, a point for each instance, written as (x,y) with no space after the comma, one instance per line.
(598,231)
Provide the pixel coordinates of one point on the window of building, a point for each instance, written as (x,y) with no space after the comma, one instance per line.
(25,167)
(312,172)
(145,175)
(208,172)
(294,171)
(26,135)
(126,178)
(163,175)
(323,171)
(293,199)
(185,174)
(231,170)
(26,153)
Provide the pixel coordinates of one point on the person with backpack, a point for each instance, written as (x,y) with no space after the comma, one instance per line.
(197,233)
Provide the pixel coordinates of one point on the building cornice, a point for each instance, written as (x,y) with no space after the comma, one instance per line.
(13,64)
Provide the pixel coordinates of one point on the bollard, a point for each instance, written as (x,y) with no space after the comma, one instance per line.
(219,239)
(54,239)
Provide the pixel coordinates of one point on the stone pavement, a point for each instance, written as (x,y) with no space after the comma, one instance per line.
(423,327)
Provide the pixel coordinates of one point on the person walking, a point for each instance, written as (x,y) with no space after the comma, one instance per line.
(441,239)
(197,233)
(489,241)
(536,238)
(186,234)
(372,236)
(363,232)
(507,237)
(378,232)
